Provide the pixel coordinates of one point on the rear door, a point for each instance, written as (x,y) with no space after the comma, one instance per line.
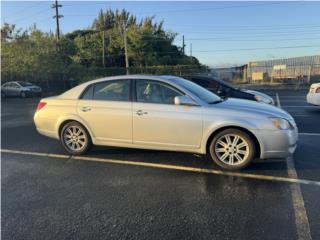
(159,122)
(9,89)
(107,109)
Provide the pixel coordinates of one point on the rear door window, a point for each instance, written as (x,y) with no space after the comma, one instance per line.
(118,90)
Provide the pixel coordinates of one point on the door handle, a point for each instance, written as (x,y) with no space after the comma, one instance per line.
(85,109)
(140,112)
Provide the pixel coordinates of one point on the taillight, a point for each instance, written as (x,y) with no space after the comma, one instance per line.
(41,105)
(317,90)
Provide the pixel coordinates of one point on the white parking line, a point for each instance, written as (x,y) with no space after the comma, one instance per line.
(300,213)
(299,106)
(293,100)
(278,100)
(301,115)
(301,217)
(170,166)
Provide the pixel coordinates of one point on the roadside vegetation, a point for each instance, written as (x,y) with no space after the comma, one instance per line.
(98,51)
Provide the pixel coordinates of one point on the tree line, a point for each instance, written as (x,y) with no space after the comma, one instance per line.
(98,51)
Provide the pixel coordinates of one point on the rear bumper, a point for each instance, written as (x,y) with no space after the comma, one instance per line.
(277,144)
(47,133)
(45,126)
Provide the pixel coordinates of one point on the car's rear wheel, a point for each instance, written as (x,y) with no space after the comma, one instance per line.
(232,149)
(75,138)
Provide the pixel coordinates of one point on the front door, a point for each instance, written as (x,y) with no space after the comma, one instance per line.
(159,122)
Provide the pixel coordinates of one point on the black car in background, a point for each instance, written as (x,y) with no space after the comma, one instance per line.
(224,89)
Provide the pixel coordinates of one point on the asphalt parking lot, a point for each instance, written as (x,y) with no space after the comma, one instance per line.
(118,193)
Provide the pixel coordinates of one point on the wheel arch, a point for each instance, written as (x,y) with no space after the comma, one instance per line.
(246,130)
(64,121)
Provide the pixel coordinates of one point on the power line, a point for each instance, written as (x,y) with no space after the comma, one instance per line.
(194,10)
(249,26)
(254,31)
(24,9)
(218,8)
(253,49)
(250,36)
(253,40)
(36,13)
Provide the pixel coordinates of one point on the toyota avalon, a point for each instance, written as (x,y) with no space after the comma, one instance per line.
(166,113)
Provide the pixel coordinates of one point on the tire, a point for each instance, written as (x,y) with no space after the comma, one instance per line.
(232,149)
(23,95)
(75,138)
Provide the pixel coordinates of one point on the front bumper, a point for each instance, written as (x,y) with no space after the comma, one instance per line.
(277,144)
(313,98)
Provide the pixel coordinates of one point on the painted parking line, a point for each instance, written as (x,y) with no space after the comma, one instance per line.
(278,100)
(309,134)
(301,217)
(300,106)
(169,166)
(300,213)
(293,100)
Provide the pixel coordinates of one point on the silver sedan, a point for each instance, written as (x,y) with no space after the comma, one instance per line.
(166,113)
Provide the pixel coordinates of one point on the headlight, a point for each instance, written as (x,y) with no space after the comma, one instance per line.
(262,99)
(281,123)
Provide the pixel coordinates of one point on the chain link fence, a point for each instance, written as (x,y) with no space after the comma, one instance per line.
(55,82)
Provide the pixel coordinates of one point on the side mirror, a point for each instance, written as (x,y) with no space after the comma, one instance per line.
(184,100)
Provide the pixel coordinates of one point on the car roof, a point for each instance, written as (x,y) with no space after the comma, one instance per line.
(76,91)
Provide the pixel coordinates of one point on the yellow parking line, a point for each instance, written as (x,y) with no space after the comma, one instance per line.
(171,166)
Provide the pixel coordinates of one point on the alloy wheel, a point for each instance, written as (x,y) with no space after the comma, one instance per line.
(232,149)
(75,138)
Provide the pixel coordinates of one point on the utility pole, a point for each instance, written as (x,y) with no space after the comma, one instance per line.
(125,47)
(183,45)
(103,49)
(57,17)
(190,49)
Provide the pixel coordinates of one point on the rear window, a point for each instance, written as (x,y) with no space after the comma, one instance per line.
(118,90)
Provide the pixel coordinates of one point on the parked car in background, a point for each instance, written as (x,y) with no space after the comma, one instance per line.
(20,89)
(224,89)
(166,113)
(313,96)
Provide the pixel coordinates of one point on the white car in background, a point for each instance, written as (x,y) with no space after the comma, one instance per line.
(20,89)
(313,97)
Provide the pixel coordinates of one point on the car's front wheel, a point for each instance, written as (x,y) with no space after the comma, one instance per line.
(232,149)
(75,138)
(23,95)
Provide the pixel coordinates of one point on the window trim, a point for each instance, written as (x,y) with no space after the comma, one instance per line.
(157,81)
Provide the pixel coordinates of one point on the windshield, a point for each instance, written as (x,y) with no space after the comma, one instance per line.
(197,90)
(25,84)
